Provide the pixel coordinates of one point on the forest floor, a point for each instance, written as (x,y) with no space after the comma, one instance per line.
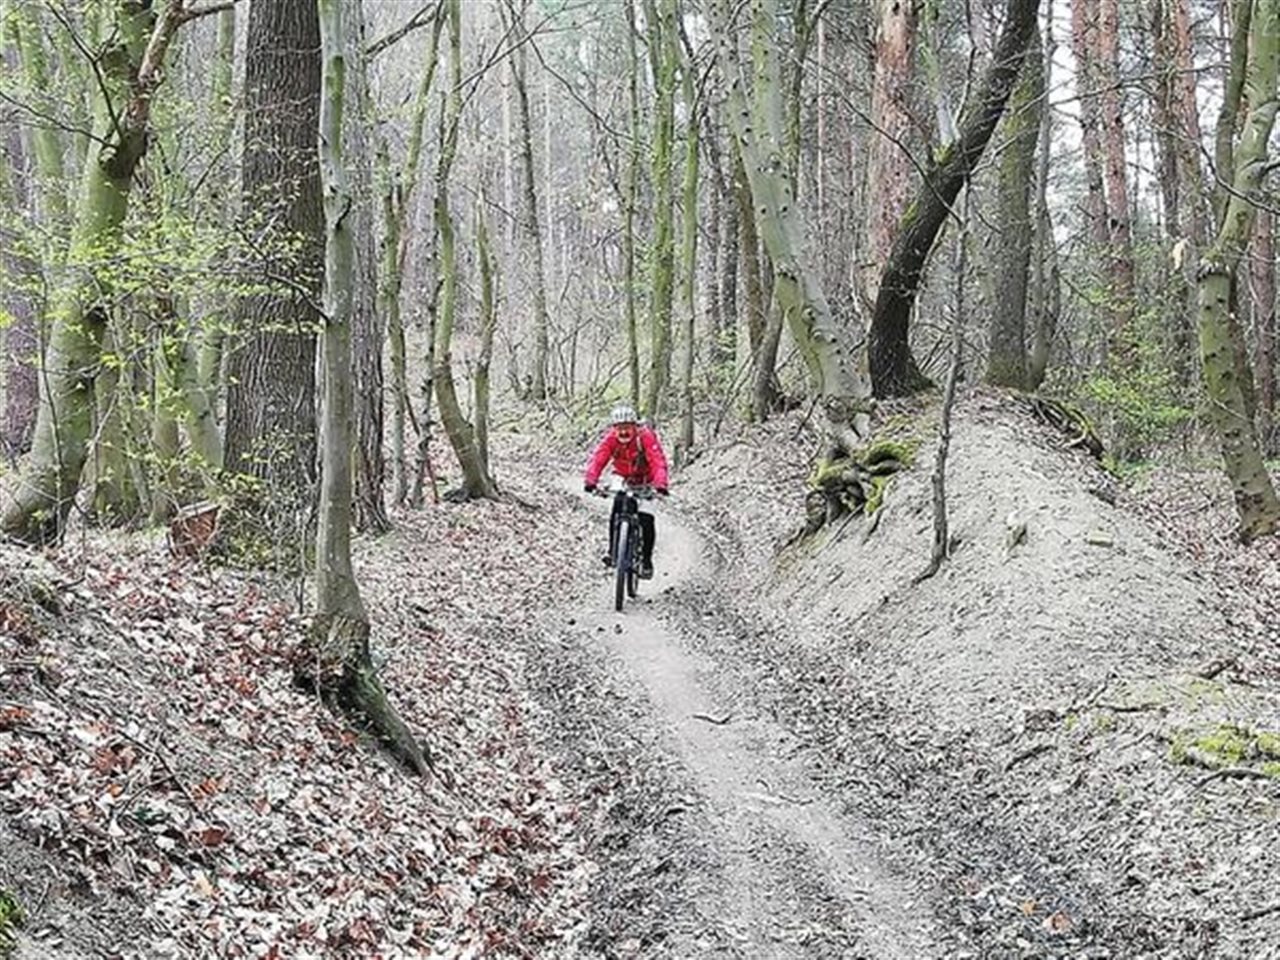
(1065,745)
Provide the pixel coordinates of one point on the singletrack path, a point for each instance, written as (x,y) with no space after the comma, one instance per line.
(762,863)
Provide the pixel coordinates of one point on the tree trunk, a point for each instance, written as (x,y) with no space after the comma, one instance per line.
(689,249)
(893,371)
(209,368)
(19,277)
(334,658)
(1263,295)
(533,228)
(1255,497)
(476,480)
(1045,289)
(1120,249)
(1083,23)
(662,50)
(1007,356)
(749,246)
(488,324)
(271,411)
(133,67)
(629,207)
(839,381)
(888,168)
(398,191)
(367,329)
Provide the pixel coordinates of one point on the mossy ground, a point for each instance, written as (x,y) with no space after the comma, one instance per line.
(10,920)
(1228,745)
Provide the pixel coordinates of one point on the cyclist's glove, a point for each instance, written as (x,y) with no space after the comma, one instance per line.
(663,491)
(589,488)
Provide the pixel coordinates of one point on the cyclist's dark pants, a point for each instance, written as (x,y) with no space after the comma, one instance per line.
(648,532)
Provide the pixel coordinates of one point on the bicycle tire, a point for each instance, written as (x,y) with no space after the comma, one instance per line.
(622,570)
(633,570)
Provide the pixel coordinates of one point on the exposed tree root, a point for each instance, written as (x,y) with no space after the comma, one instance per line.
(1064,417)
(334,660)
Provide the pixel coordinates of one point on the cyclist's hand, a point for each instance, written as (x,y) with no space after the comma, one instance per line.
(589,488)
(664,492)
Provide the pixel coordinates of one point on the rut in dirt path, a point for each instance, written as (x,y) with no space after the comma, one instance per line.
(796,877)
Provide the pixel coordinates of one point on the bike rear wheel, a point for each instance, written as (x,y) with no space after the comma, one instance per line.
(622,569)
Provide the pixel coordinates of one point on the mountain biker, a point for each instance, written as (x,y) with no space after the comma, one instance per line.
(636,455)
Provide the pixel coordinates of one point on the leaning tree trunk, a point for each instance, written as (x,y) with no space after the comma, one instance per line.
(334,658)
(1255,497)
(131,72)
(663,53)
(838,379)
(893,371)
(477,483)
(271,411)
(1007,353)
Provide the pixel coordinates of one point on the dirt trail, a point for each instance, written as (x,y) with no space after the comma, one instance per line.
(791,875)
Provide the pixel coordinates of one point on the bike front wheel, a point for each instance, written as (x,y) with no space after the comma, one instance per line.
(625,558)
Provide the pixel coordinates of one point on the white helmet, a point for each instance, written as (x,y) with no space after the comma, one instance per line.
(622,413)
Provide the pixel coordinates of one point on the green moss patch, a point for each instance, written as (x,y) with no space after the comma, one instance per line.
(1228,745)
(10,920)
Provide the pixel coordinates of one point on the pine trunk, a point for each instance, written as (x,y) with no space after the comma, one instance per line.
(888,167)
(629,210)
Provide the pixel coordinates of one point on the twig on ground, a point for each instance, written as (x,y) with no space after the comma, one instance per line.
(1028,754)
(1259,912)
(718,721)
(1234,773)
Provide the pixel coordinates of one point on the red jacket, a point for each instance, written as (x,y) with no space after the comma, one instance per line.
(640,462)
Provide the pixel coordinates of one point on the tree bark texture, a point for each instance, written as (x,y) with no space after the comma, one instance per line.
(1262,288)
(888,169)
(271,411)
(1120,247)
(1007,353)
(367,322)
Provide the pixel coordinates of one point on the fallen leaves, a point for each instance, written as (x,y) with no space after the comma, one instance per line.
(177,764)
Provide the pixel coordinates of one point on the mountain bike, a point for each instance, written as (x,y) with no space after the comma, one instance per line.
(624,538)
